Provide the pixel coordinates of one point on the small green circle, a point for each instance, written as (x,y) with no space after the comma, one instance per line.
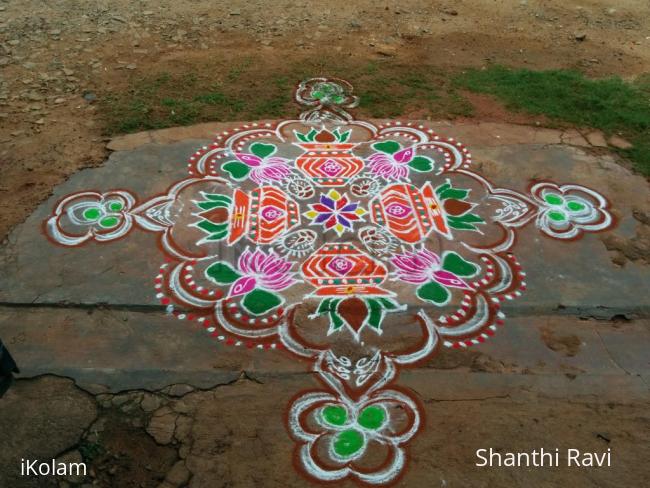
(348,443)
(335,415)
(318,94)
(575,206)
(92,214)
(557,216)
(553,199)
(115,206)
(108,222)
(372,417)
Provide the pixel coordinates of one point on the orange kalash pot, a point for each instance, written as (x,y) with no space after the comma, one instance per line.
(328,159)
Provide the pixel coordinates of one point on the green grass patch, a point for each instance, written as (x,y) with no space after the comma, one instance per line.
(611,105)
(386,89)
(258,89)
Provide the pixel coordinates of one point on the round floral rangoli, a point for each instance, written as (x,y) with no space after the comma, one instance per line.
(361,248)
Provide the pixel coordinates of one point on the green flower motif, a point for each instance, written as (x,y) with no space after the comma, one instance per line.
(328,93)
(106,215)
(352,434)
(563,210)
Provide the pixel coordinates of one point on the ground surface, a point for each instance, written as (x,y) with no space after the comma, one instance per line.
(580,379)
(158,402)
(53,54)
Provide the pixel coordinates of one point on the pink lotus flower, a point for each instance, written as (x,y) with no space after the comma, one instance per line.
(424,266)
(391,166)
(266,169)
(259,269)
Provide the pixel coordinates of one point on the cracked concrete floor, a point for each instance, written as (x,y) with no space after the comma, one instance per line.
(151,402)
(225,435)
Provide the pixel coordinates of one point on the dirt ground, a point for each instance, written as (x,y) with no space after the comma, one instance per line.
(59,58)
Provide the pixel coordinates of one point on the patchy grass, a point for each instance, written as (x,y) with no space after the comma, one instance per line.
(165,100)
(611,105)
(254,89)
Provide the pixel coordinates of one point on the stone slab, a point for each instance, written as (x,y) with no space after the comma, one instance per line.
(576,277)
(122,350)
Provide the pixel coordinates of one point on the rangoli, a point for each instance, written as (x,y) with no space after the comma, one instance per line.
(359,248)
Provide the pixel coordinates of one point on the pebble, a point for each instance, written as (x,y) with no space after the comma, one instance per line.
(150,403)
(619,142)
(131,66)
(580,36)
(179,390)
(121,399)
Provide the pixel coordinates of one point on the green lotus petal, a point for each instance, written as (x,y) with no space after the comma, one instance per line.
(108,222)
(259,301)
(348,443)
(222,273)
(421,164)
(92,214)
(453,263)
(433,292)
(389,147)
(553,199)
(262,150)
(372,417)
(237,170)
(335,415)
(454,193)
(575,206)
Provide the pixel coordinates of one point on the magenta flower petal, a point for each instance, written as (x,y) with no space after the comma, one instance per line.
(417,267)
(404,156)
(449,279)
(269,271)
(249,159)
(243,262)
(242,286)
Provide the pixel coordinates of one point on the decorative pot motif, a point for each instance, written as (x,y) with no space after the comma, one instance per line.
(410,213)
(341,270)
(263,215)
(329,163)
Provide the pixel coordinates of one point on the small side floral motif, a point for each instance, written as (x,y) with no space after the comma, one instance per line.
(259,165)
(341,436)
(86,216)
(335,211)
(258,277)
(567,211)
(328,93)
(327,98)
(458,211)
(392,162)
(434,275)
